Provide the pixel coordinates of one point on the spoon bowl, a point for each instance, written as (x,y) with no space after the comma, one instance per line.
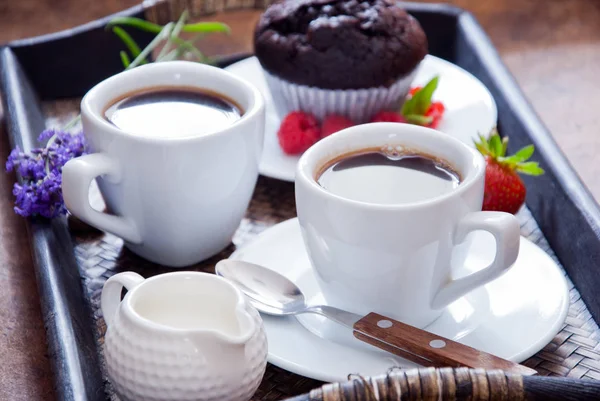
(268,291)
(273,294)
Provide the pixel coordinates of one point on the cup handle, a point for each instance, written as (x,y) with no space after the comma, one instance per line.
(77,176)
(111,293)
(505,229)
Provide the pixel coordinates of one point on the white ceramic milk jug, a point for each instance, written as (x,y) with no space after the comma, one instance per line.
(182,336)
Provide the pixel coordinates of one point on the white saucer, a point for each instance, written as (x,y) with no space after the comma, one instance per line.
(470,109)
(513,317)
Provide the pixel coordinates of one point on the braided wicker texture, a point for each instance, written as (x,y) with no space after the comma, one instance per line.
(427,384)
(574,352)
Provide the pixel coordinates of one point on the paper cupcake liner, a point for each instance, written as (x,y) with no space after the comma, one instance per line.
(359,105)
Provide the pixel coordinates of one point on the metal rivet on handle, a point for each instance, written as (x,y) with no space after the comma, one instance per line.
(384,324)
(437,344)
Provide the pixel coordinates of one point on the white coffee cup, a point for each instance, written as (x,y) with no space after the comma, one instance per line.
(176,200)
(397,260)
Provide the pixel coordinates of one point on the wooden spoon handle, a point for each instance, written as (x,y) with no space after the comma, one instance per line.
(423,347)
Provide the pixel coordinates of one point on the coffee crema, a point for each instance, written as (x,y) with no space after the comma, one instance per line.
(375,176)
(172,112)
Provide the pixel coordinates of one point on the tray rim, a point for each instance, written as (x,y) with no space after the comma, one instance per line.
(42,233)
(137,9)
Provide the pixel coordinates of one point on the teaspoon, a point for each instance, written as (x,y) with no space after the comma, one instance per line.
(273,294)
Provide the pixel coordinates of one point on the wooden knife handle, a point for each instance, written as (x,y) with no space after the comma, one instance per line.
(421,346)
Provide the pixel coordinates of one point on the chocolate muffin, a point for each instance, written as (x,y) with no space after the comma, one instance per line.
(339,44)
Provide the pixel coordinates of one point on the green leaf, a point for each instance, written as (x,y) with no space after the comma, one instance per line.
(204,27)
(207,27)
(124,58)
(523,154)
(496,145)
(418,119)
(133,47)
(421,100)
(482,145)
(135,23)
(518,157)
(507,160)
(481,148)
(504,144)
(530,168)
(484,142)
(408,107)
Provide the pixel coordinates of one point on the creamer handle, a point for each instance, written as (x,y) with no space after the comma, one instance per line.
(111,293)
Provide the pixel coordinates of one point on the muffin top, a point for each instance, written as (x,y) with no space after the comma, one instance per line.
(339,44)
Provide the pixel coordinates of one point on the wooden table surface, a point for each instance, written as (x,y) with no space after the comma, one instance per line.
(551,46)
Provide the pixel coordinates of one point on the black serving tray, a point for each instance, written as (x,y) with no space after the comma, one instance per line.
(66,64)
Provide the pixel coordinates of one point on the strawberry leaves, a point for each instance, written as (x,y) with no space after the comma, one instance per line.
(522,154)
(496,146)
(495,149)
(415,108)
(530,168)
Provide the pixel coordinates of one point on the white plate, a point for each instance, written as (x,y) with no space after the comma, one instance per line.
(470,109)
(513,317)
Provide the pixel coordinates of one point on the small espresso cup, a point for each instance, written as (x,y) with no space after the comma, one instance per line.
(174,200)
(397,260)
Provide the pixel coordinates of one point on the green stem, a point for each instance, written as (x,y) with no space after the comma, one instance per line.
(70,124)
(133,47)
(170,56)
(152,45)
(188,46)
(164,49)
(47,164)
(52,139)
(173,34)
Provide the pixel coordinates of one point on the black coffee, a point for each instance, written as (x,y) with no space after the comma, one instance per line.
(172,112)
(375,177)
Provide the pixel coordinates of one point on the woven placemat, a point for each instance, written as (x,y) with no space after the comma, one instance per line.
(574,352)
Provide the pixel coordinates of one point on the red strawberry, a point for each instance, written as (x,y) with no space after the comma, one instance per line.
(333,124)
(504,189)
(388,117)
(298,131)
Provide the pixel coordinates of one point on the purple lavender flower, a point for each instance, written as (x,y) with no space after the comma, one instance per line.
(13,159)
(65,148)
(46,134)
(40,193)
(29,167)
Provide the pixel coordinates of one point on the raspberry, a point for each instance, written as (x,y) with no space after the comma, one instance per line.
(333,124)
(298,131)
(388,117)
(436,110)
(414,90)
